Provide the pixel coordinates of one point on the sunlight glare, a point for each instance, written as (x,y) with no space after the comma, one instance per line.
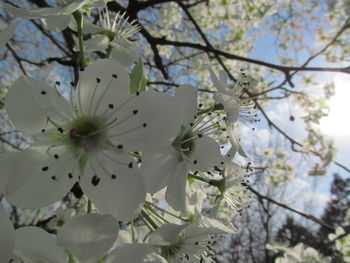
(337,123)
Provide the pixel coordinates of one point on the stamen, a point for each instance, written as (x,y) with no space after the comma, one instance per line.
(130,130)
(92,98)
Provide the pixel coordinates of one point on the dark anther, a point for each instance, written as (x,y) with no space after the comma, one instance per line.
(43,130)
(60,129)
(72,84)
(56,156)
(191,124)
(58,83)
(195,162)
(200,105)
(113,176)
(144,125)
(222,163)
(45,168)
(111,106)
(137,93)
(200,135)
(70,175)
(120,146)
(95,180)
(98,80)
(135,112)
(53,178)
(130,165)
(43,92)
(115,76)
(77,191)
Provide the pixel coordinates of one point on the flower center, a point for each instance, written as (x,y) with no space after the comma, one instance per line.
(184,142)
(87,133)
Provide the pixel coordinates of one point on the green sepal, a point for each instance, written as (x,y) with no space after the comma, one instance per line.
(137,79)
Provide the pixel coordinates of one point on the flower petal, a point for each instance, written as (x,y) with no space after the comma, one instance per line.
(135,253)
(157,176)
(47,178)
(206,154)
(57,23)
(124,54)
(176,192)
(88,237)
(165,235)
(96,43)
(152,126)
(46,11)
(103,86)
(9,168)
(186,99)
(34,13)
(114,185)
(218,84)
(234,139)
(6,34)
(30,102)
(7,237)
(204,226)
(33,244)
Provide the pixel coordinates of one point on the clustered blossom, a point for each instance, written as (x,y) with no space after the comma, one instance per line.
(119,146)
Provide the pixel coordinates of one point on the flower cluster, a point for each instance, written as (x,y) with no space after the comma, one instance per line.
(139,156)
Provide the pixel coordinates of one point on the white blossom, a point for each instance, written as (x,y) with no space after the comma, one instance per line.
(190,150)
(7,237)
(55,18)
(87,141)
(6,34)
(193,242)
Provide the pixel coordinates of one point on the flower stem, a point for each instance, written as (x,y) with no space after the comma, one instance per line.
(155,214)
(71,258)
(89,206)
(78,16)
(149,219)
(146,223)
(197,178)
(133,232)
(165,211)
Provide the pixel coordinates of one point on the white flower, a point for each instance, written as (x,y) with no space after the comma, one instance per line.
(115,38)
(298,254)
(88,238)
(6,34)
(34,244)
(232,189)
(235,107)
(194,242)
(342,242)
(7,237)
(190,150)
(87,141)
(55,18)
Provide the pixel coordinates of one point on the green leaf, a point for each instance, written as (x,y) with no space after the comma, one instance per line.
(137,79)
(238,35)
